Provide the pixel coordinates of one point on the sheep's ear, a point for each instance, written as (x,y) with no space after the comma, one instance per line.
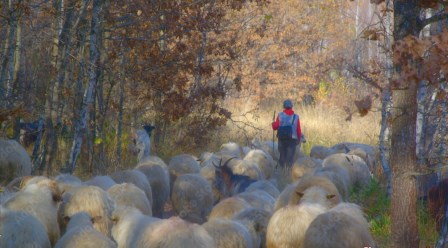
(66,219)
(95,219)
(330,196)
(300,194)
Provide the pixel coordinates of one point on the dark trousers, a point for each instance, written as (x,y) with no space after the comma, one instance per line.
(287,149)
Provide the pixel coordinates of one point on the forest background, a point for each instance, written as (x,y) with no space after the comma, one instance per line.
(91,72)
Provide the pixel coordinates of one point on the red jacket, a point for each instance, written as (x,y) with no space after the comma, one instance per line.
(289,112)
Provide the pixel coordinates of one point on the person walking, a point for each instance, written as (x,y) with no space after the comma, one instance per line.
(289,134)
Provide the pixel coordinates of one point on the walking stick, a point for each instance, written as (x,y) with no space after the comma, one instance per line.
(273,137)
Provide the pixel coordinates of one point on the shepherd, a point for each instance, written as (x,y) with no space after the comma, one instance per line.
(289,134)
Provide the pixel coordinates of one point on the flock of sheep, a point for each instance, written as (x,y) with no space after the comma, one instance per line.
(227,199)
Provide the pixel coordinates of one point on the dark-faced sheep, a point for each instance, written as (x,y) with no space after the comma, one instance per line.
(127,194)
(41,200)
(96,202)
(192,198)
(287,226)
(21,229)
(229,234)
(343,226)
(158,177)
(135,177)
(263,161)
(14,161)
(81,233)
(227,208)
(256,221)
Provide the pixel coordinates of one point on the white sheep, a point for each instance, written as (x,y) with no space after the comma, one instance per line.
(263,161)
(316,190)
(130,225)
(287,226)
(343,226)
(93,200)
(266,186)
(285,195)
(103,182)
(127,194)
(21,229)
(81,233)
(258,199)
(41,200)
(135,177)
(256,221)
(321,152)
(14,161)
(192,198)
(158,177)
(356,166)
(303,166)
(339,175)
(229,234)
(231,149)
(227,208)
(180,165)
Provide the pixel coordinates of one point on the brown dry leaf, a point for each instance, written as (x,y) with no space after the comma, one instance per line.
(364,105)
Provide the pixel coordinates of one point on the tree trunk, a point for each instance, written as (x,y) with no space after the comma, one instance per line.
(8,61)
(403,151)
(88,94)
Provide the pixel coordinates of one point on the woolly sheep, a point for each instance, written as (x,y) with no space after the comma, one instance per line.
(180,165)
(135,177)
(28,180)
(263,161)
(303,166)
(343,226)
(287,226)
(229,234)
(40,200)
(192,198)
(256,221)
(258,199)
(127,194)
(269,147)
(321,152)
(285,195)
(158,177)
(14,161)
(357,168)
(175,232)
(21,229)
(81,233)
(232,149)
(315,189)
(266,186)
(67,181)
(103,182)
(94,201)
(227,208)
(130,225)
(246,168)
(339,176)
(209,173)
